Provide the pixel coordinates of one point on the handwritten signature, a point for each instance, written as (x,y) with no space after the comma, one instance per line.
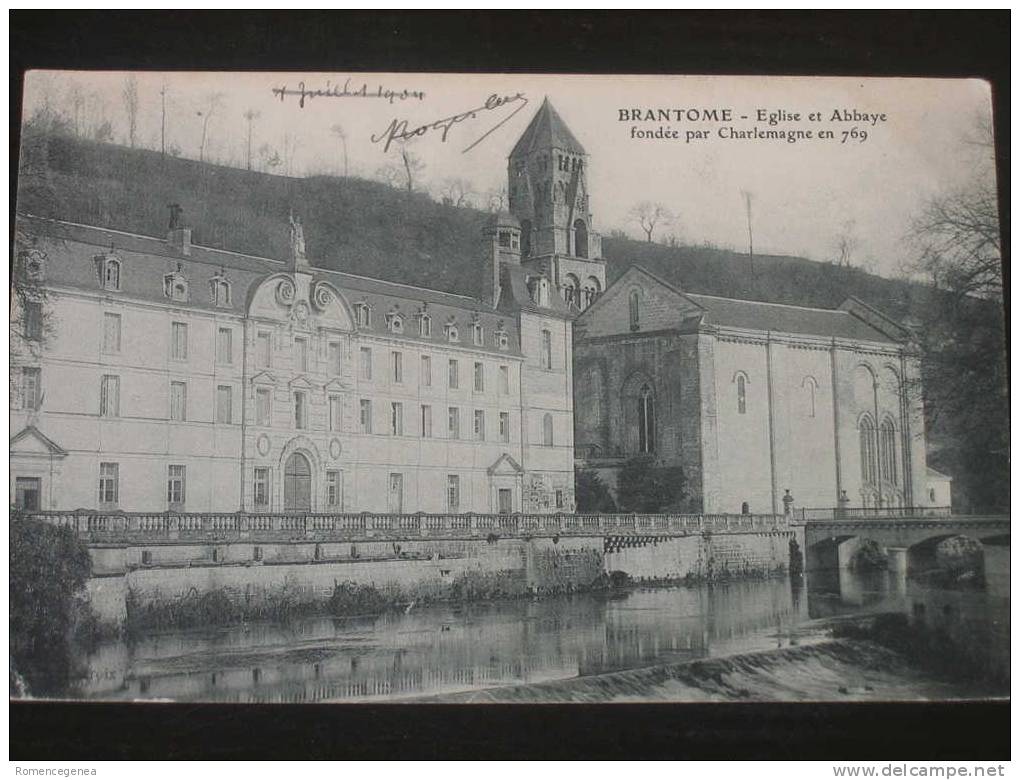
(400,130)
(331,90)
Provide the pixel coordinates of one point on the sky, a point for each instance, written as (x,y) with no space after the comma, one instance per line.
(804,195)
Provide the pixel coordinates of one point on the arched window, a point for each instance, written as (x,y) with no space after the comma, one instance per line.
(741,394)
(571,288)
(547,430)
(646,420)
(525,237)
(580,238)
(887,441)
(635,310)
(869,459)
(111,274)
(591,291)
(810,390)
(221,291)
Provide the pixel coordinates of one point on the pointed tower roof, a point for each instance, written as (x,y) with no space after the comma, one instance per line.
(547,130)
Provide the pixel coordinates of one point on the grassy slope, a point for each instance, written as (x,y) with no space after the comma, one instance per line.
(368,228)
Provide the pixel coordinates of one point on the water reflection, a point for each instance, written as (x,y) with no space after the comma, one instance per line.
(452,648)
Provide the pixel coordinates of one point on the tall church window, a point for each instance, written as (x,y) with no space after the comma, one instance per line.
(741,394)
(887,441)
(525,238)
(810,391)
(869,459)
(646,420)
(635,310)
(546,349)
(580,238)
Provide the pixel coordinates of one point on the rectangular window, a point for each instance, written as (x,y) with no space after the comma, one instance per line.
(109,478)
(366,363)
(179,341)
(452,493)
(175,486)
(334,358)
(479,425)
(454,375)
(109,396)
(479,334)
(300,410)
(559,499)
(178,401)
(546,349)
(479,378)
(426,371)
(504,380)
(504,426)
(27,493)
(397,418)
(426,421)
(31,387)
(265,349)
(263,406)
(224,402)
(334,413)
(396,496)
(506,501)
(366,416)
(111,333)
(398,367)
(333,489)
(454,422)
(225,346)
(260,492)
(301,355)
(33,320)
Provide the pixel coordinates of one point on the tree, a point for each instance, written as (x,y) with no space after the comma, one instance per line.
(412,164)
(644,486)
(341,134)
(846,245)
(250,115)
(49,567)
(130,95)
(591,492)
(212,102)
(456,192)
(957,246)
(649,215)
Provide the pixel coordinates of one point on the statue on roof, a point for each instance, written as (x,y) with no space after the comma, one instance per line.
(297,239)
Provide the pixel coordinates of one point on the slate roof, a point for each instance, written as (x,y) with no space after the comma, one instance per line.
(514,294)
(547,130)
(783,318)
(70,249)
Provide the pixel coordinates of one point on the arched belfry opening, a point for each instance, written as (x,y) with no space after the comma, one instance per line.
(580,238)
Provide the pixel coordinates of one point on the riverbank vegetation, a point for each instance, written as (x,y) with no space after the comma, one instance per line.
(49,610)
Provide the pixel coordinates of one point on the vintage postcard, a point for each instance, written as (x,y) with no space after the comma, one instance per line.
(413,387)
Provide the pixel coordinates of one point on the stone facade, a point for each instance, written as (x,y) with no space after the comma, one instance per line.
(751,399)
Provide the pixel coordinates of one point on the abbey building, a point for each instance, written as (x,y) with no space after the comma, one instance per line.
(153,374)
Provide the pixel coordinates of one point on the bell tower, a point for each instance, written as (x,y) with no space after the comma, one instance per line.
(547,183)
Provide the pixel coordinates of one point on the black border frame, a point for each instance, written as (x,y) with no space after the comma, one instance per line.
(901,43)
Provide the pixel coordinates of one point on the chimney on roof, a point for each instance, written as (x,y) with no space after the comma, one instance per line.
(178,237)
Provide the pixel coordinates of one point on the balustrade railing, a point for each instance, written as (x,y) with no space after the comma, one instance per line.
(871,512)
(170,526)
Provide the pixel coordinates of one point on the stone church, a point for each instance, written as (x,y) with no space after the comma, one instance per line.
(753,400)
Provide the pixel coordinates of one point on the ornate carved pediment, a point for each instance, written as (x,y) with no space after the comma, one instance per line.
(263,378)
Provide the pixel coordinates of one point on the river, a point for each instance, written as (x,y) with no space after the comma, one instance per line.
(761,641)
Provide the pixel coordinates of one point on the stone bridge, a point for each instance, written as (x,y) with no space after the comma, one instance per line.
(832,543)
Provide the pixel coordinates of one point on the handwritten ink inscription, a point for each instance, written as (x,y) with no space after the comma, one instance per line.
(401,130)
(346,90)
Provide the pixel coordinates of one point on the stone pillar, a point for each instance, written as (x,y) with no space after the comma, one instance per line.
(897,557)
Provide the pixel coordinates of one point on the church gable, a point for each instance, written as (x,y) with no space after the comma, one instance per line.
(638,302)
